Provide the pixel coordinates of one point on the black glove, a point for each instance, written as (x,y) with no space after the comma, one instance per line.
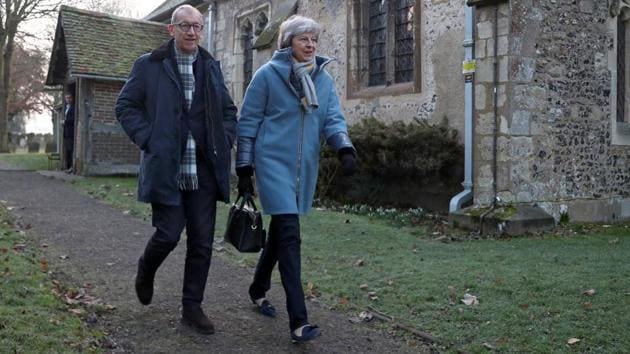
(245,184)
(348,161)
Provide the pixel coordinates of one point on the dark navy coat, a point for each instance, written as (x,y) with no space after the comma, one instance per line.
(150,109)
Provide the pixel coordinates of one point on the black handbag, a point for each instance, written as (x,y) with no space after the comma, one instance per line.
(244,228)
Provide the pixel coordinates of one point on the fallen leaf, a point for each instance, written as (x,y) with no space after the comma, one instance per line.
(347,221)
(126,212)
(390,282)
(605,226)
(110,264)
(54,321)
(363,286)
(589,292)
(470,300)
(359,263)
(43,265)
(488,345)
(524,306)
(573,340)
(614,241)
(64,256)
(371,293)
(587,305)
(77,311)
(19,247)
(366,316)
(343,301)
(354,319)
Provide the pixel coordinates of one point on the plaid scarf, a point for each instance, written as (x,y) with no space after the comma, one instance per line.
(187,176)
(303,72)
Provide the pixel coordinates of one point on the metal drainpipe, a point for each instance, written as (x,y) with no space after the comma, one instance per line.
(212,8)
(469,45)
(495,94)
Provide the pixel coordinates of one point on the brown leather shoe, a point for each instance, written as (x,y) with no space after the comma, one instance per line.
(144,284)
(195,318)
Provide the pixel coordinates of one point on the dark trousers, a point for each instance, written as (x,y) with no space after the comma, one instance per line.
(68,146)
(197,213)
(283,247)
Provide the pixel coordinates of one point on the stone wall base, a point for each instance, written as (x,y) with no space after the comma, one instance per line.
(110,169)
(504,220)
(590,210)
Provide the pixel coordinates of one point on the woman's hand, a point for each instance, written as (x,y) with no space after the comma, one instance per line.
(348,161)
(245,183)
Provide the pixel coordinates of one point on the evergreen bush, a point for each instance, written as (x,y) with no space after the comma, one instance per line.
(397,163)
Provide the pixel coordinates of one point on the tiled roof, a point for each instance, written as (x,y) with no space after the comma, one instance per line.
(95,44)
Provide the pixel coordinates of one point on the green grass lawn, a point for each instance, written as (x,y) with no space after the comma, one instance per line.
(27,161)
(32,318)
(531,290)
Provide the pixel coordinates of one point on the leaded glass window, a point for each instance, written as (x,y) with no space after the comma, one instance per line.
(378,42)
(403,56)
(391,41)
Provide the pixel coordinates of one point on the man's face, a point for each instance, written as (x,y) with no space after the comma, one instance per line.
(69,99)
(187,30)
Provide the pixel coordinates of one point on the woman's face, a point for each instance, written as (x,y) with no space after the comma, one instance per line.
(304,46)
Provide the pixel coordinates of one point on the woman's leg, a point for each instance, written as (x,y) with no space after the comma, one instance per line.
(266,263)
(288,238)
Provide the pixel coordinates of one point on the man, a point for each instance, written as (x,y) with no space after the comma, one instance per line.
(176,108)
(68,130)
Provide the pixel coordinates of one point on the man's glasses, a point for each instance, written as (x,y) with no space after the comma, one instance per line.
(185,27)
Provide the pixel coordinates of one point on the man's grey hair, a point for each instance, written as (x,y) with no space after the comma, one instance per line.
(184,8)
(294,26)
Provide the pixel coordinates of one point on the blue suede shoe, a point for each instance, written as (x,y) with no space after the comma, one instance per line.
(265,308)
(309,332)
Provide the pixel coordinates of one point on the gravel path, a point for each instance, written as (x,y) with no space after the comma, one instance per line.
(87,241)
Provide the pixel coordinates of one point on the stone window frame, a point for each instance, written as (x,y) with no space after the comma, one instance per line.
(358,58)
(251,16)
(620,11)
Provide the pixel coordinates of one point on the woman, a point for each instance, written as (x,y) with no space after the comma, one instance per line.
(290,102)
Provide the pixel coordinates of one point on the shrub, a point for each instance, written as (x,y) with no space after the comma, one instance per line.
(398,164)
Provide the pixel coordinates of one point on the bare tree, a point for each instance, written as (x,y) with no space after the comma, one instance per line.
(12,14)
(112,7)
(28,73)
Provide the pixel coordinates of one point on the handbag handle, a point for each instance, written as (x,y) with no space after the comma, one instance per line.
(246,198)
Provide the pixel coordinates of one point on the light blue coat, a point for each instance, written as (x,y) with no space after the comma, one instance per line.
(287,139)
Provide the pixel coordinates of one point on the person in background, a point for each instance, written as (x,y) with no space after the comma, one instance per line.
(177,109)
(290,102)
(68,130)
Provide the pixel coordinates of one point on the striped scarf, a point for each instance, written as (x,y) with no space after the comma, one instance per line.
(303,72)
(187,176)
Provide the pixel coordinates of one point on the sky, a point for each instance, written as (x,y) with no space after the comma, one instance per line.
(42,123)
